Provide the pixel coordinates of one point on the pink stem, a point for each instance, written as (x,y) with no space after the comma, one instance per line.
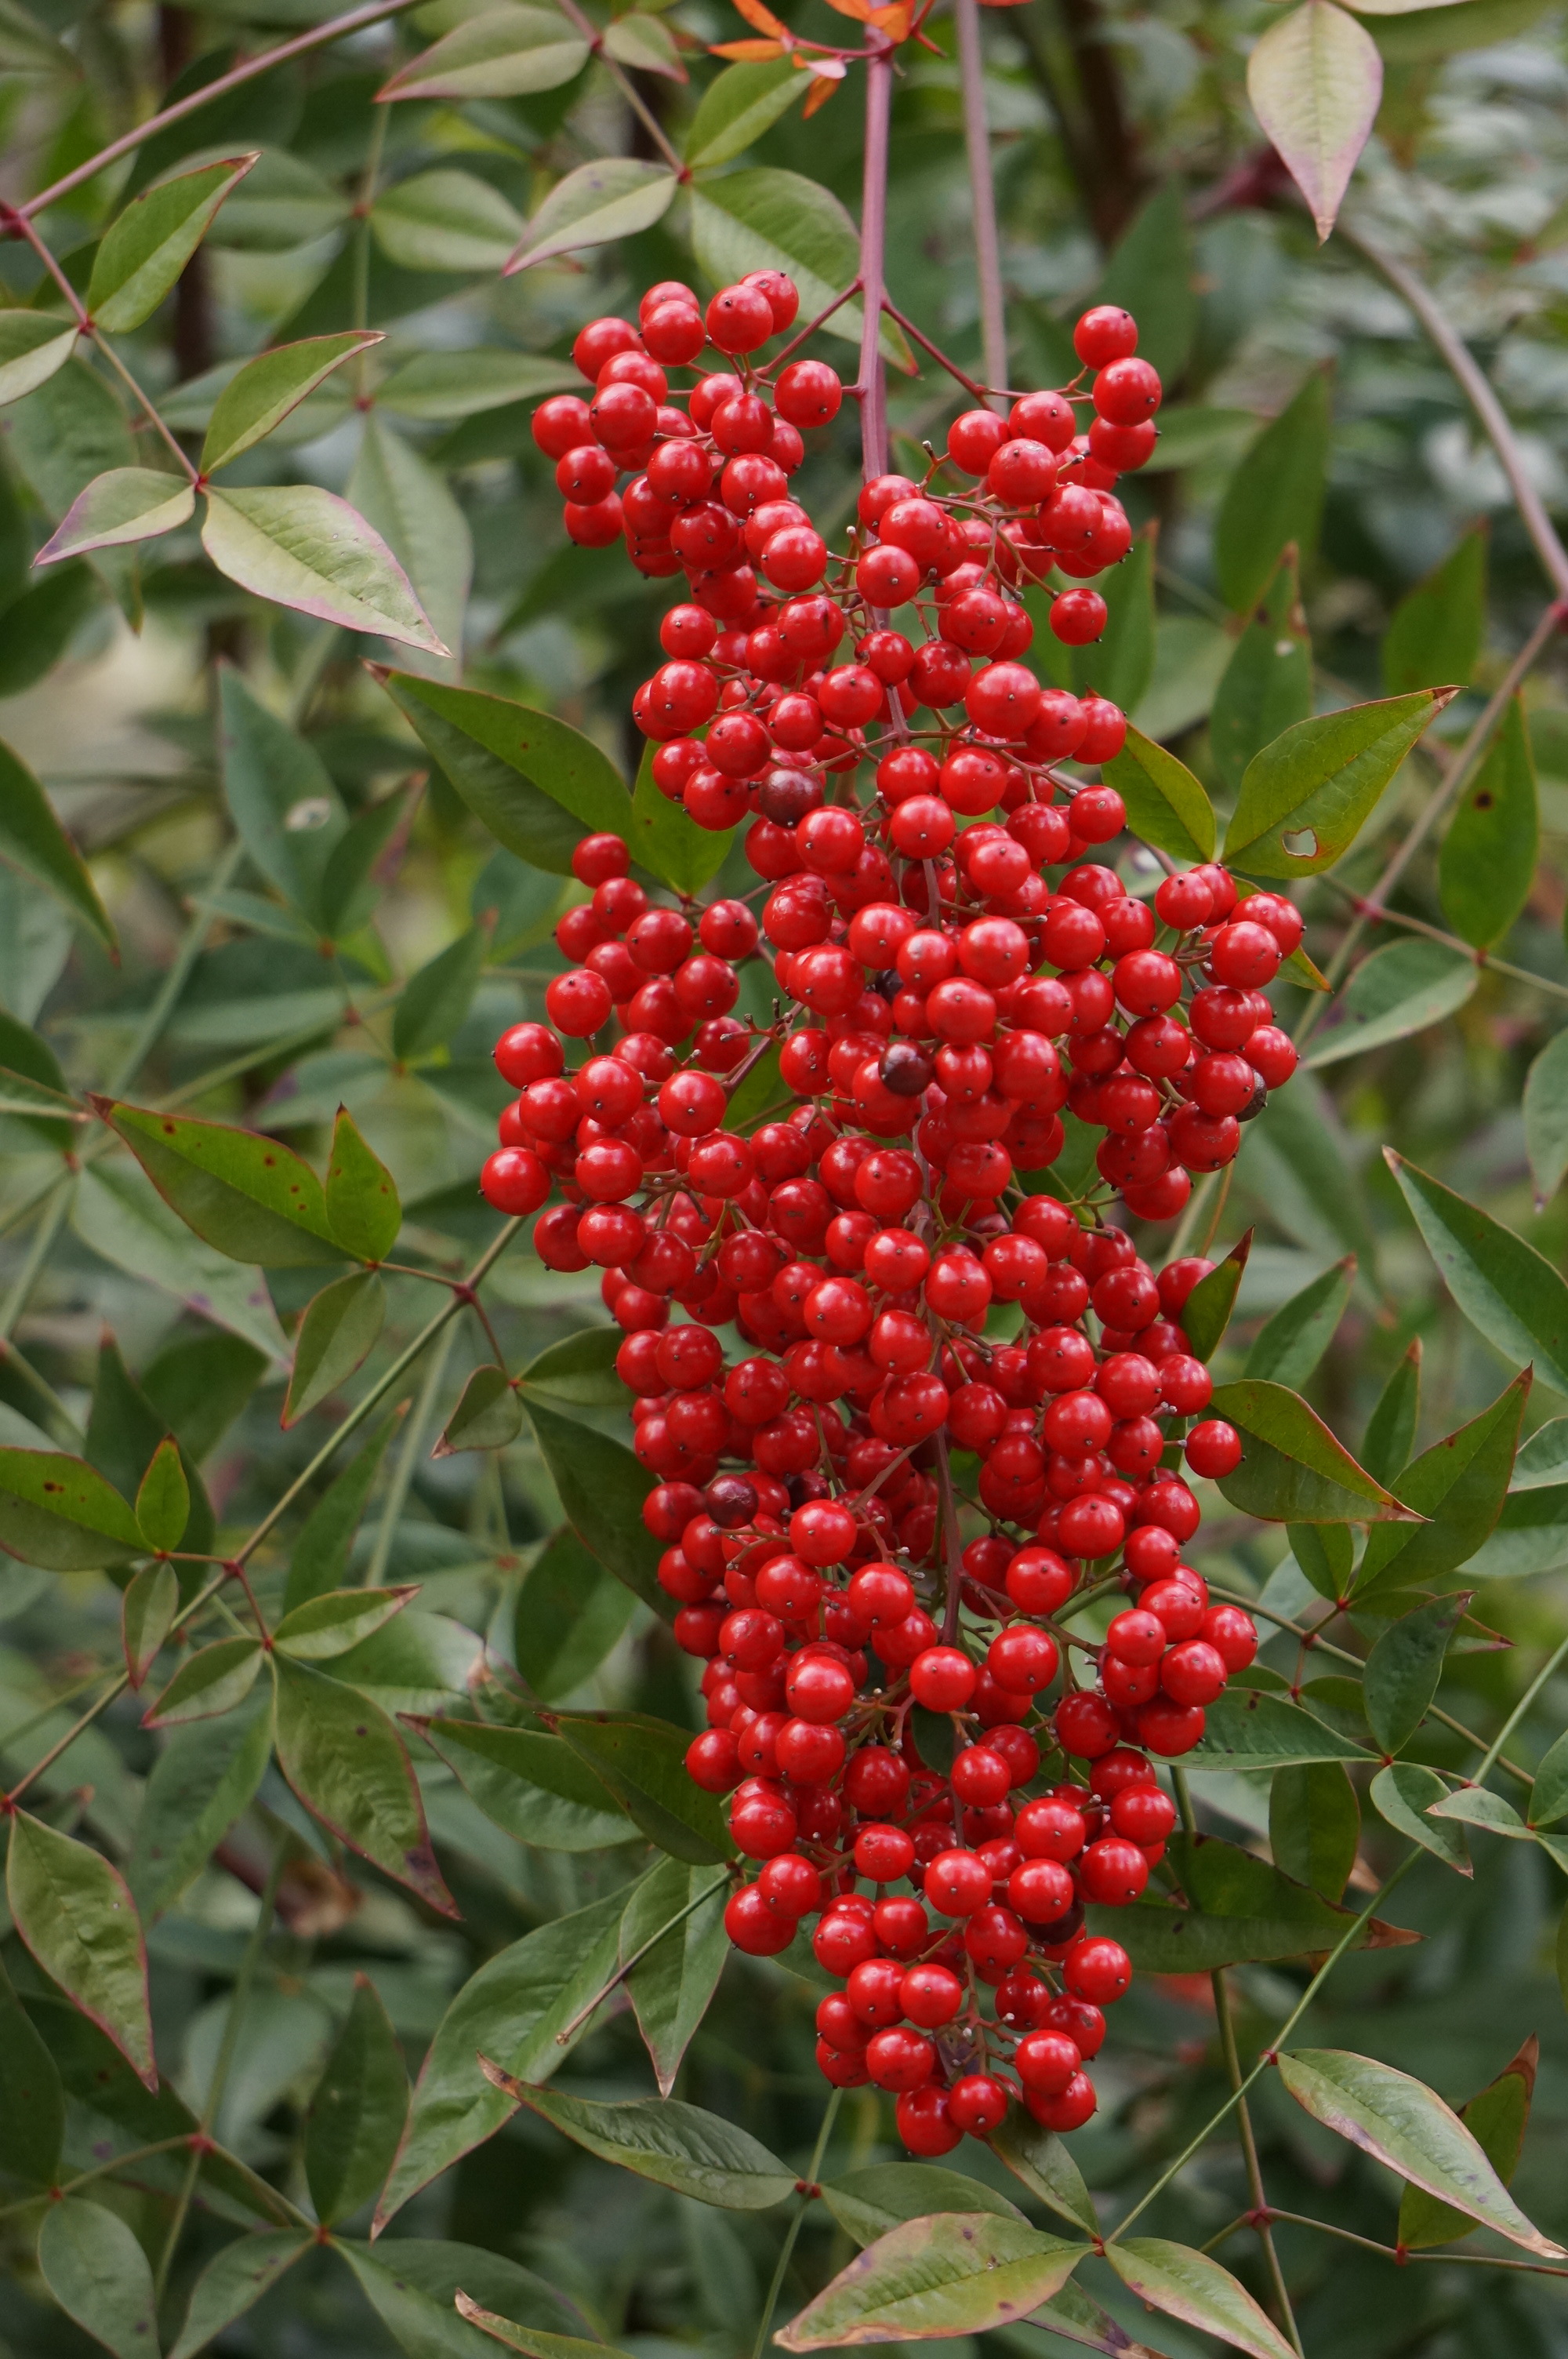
(982,197)
(873,242)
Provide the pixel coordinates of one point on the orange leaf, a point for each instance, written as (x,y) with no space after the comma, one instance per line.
(751,52)
(763,20)
(822,89)
(861,10)
(893,21)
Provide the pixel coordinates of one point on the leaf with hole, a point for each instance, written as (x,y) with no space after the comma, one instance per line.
(1508,1292)
(1289,1345)
(1315,80)
(488,1415)
(143,251)
(249,1195)
(1436,630)
(596,204)
(1190,2286)
(949,2273)
(1402,1795)
(234,2281)
(1266,685)
(501,53)
(1292,1470)
(300,546)
(260,396)
(346,1761)
(126,505)
(1165,804)
(100,2276)
(1274,499)
(1461,1485)
(1305,798)
(538,785)
(74,1913)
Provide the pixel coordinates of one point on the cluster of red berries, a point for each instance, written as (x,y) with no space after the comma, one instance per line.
(879,1516)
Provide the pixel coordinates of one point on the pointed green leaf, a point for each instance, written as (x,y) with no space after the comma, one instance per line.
(100,2276)
(1266,685)
(447,385)
(411,505)
(320,1559)
(1460,1485)
(163,1503)
(59,1512)
(1402,1794)
(1326,1554)
(289,814)
(1549,1798)
(1314,1825)
(668,844)
(1305,798)
(148,1607)
(577,1371)
(75,1914)
(436,999)
(346,1761)
(1315,80)
(766,220)
(249,1195)
(361,1194)
(1496,2120)
(1289,1346)
(301,547)
(506,53)
(1488,863)
(1506,1289)
(1205,1314)
(677,2145)
(1546,1117)
(1275,497)
(531,2341)
(233,2282)
(737,108)
(1405,2125)
(413,2283)
(641,41)
(356,2119)
(488,1415)
(1234,1908)
(1390,1429)
(1165,804)
(570,1612)
(1435,632)
(261,395)
(533,1786)
(59,442)
(602,1487)
(33,839)
(538,785)
(596,204)
(336,1334)
(33,345)
(32,2102)
(1292,1470)
(1405,1666)
(1404,988)
(1477,1805)
(350,886)
(1038,2156)
(445,220)
(671,1987)
(208,1683)
(205,1777)
(330,1625)
(642,1762)
(1196,2289)
(126,505)
(952,2273)
(1247,1728)
(143,252)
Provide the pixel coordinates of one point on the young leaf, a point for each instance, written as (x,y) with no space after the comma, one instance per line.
(1404,988)
(577,1371)
(261,395)
(337,1333)
(127,504)
(356,2119)
(1165,804)
(1459,1485)
(1508,1292)
(597,204)
(514,2007)
(32,2102)
(570,1612)
(506,53)
(330,1625)
(676,2144)
(1405,2125)
(531,2341)
(346,1761)
(488,1415)
(736,109)
(445,220)
(1266,685)
(1205,1314)
(1247,1728)
(100,2276)
(533,1786)
(33,345)
(642,1762)
(61,1513)
(601,1488)
(142,253)
(1435,632)
(666,842)
(1292,1470)
(1487,862)
(163,1503)
(320,1557)
(33,839)
(538,785)
(670,1987)
(1314,1825)
(641,41)
(1477,1805)
(233,2282)
(74,1912)
(207,1683)
(1405,1666)
(249,1195)
(204,1777)
(1402,1794)
(1275,497)
(1495,2119)
(1326,1554)
(1305,797)
(301,547)
(1390,1429)
(1038,2158)
(1289,1346)
(436,999)
(361,1194)
(951,2274)
(1316,79)
(1189,2286)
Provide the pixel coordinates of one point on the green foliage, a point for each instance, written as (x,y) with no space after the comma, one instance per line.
(1274,499)
(1266,685)
(1435,632)
(1489,852)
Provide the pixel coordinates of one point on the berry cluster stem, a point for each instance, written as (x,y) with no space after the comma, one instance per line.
(873,254)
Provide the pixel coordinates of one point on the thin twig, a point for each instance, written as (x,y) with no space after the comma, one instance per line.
(1399,2254)
(872,384)
(807,2197)
(628,89)
(982,196)
(1377,915)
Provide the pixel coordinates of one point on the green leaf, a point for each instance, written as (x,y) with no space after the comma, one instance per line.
(1165,804)
(1316,79)
(205,1777)
(445,220)
(1235,1909)
(100,2276)
(59,1512)
(1435,632)
(301,547)
(413,2285)
(1507,1291)
(75,1914)
(670,1988)
(356,2119)
(330,1625)
(763,1087)
(1496,2120)
(506,53)
(283,203)
(1207,1313)
(1189,2286)
(1292,1470)
(1405,2125)
(1298,1164)
(532,2340)
(346,1761)
(1460,1485)
(126,505)
(32,2102)
(1488,863)
(677,2145)
(597,204)
(514,2007)
(953,2273)
(1189,434)
(578,1371)
(361,1194)
(249,1195)
(488,1415)
(60,442)
(642,1762)
(1274,499)
(533,1786)
(1411,37)
(410,505)
(766,220)
(234,2280)
(1247,1728)
(336,1335)
(1043,2162)
(289,812)
(33,345)
(1404,988)
(538,785)
(40,626)
(1120,664)
(1402,1794)
(1326,1554)
(570,1612)
(1390,1429)
(33,839)
(208,1683)
(1289,1346)
(1314,1825)
(436,999)
(1305,798)
(143,252)
(348,887)
(1267,686)
(320,1557)
(1548,1797)
(601,1488)
(666,842)
(1546,1117)
(261,395)
(163,1503)
(869,2202)
(737,108)
(1476,1806)
(643,42)
(445,385)
(1150,274)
